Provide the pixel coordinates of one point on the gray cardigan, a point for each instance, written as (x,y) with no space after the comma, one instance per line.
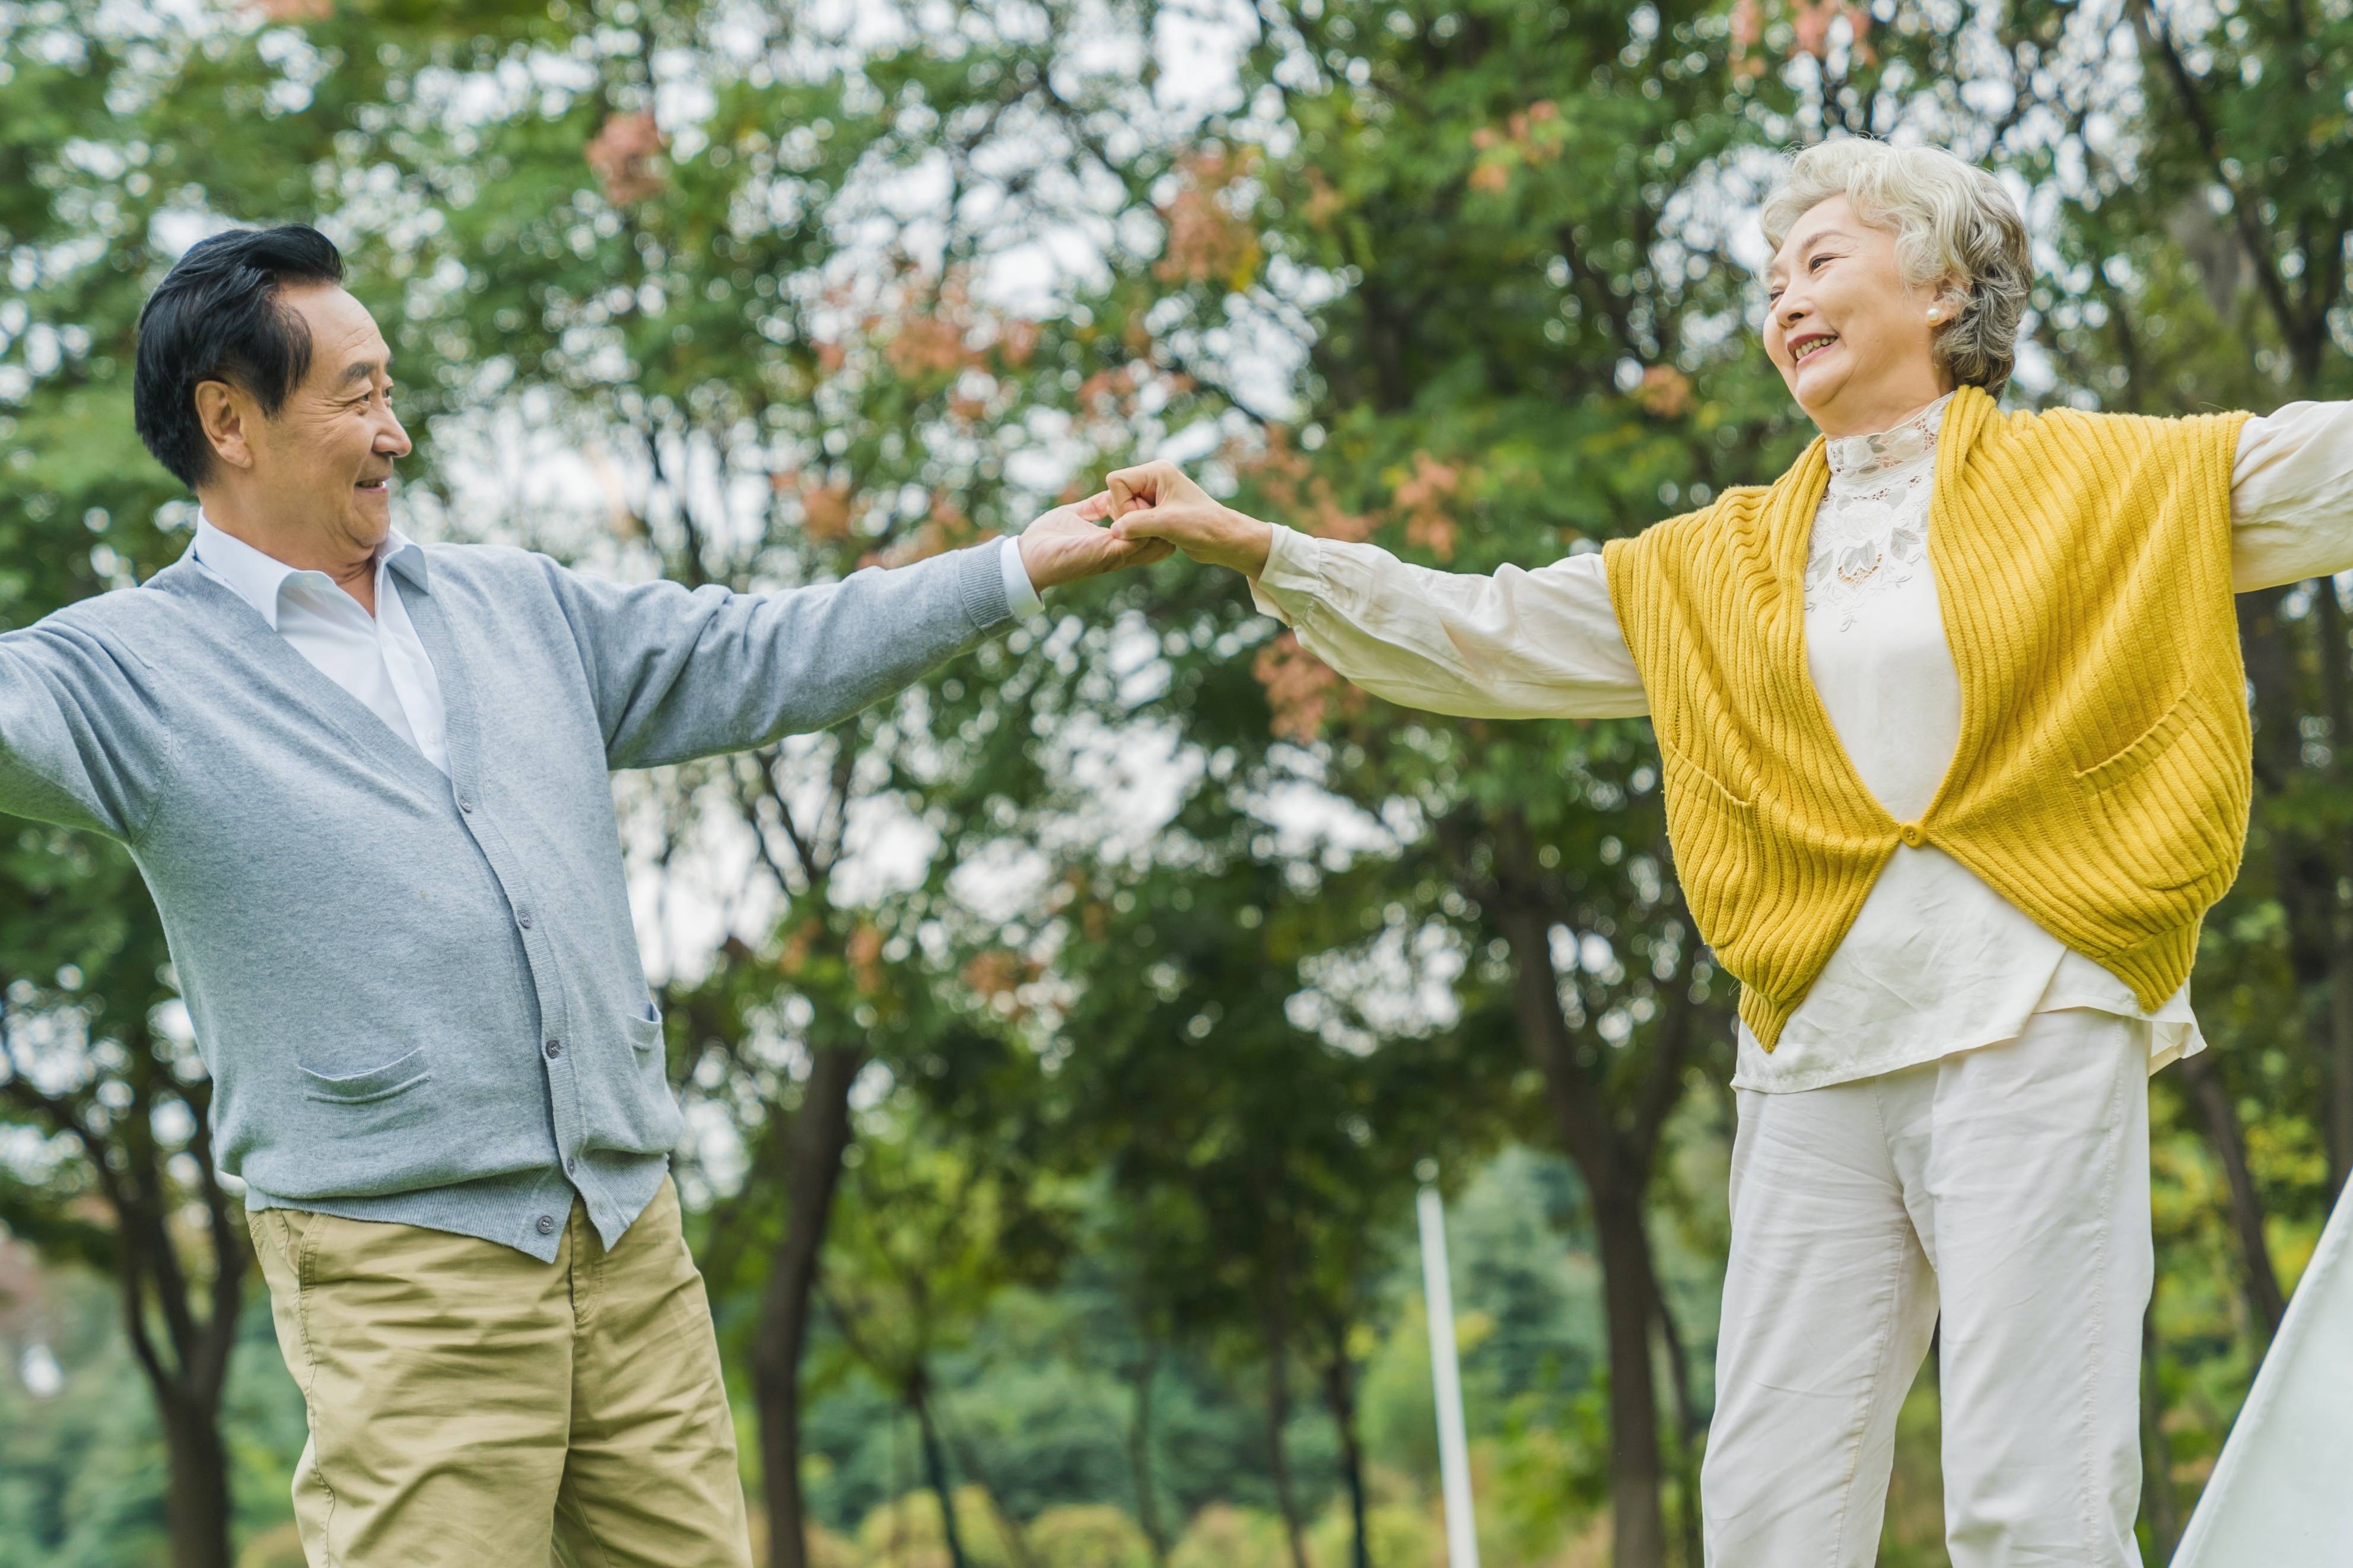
(419,996)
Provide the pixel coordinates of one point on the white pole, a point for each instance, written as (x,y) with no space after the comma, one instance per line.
(1446,1377)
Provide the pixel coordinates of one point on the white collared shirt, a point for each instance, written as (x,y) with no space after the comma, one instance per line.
(377,658)
(1019,592)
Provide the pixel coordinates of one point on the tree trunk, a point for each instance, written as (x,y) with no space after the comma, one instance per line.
(1639,1534)
(1278,1417)
(157,1290)
(1009,1529)
(2337,697)
(2265,1301)
(815,1143)
(1691,1430)
(2340,1066)
(2164,1511)
(935,1470)
(1340,1398)
(1615,1164)
(1139,1455)
(2306,867)
(197,1511)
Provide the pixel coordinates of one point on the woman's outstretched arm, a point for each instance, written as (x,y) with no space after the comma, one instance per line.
(1540,644)
(2292,496)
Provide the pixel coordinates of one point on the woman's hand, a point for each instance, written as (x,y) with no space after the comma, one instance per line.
(1156,501)
(1070,543)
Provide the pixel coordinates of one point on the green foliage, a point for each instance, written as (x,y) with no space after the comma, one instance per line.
(82,1468)
(1193,954)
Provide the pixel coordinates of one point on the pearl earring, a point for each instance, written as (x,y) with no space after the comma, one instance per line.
(1935,315)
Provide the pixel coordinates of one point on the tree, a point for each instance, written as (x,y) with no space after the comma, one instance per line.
(131,1189)
(932,1228)
(787,400)
(721,294)
(2242,139)
(89,1055)
(1260,1134)
(1490,232)
(1497,235)
(694,314)
(2201,242)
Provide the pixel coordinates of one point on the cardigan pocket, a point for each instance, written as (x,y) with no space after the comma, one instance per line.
(630,1110)
(362,1088)
(2150,744)
(644,1028)
(1715,836)
(1702,779)
(2163,811)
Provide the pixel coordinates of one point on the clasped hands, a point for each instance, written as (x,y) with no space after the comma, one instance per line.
(1139,517)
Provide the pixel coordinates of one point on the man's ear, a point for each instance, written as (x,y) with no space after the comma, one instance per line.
(225,414)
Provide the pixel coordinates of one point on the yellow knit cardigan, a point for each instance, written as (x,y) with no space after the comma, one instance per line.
(2102,778)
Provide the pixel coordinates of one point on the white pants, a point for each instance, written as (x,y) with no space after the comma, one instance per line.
(2005,1188)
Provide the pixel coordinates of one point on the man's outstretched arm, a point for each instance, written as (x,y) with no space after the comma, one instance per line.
(680,673)
(82,743)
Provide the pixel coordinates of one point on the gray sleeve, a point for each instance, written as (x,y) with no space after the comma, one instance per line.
(680,673)
(81,743)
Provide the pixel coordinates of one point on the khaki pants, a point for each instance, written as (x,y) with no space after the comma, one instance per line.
(472,1406)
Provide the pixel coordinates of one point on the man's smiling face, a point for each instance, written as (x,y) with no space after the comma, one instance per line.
(329,450)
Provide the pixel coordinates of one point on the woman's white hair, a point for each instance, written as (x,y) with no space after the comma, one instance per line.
(1953,223)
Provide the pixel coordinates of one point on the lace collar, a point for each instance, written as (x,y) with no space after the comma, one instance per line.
(1862,462)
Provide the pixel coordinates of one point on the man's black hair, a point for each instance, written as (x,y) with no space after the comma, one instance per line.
(217,316)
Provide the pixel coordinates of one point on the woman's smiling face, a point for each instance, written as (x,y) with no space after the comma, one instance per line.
(1852,339)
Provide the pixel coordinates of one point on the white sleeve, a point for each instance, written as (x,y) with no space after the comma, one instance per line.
(1020,593)
(1516,645)
(2292,496)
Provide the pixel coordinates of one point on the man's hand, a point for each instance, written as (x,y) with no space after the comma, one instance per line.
(1070,543)
(1156,501)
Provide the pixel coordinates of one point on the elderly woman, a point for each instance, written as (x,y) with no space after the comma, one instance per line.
(1956,757)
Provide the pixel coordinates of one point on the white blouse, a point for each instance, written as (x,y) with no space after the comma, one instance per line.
(1936,961)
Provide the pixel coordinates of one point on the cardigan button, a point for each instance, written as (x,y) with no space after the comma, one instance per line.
(1910,833)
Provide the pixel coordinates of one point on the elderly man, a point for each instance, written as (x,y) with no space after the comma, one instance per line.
(366,780)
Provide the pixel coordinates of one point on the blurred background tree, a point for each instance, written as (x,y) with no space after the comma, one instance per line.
(1062,1041)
